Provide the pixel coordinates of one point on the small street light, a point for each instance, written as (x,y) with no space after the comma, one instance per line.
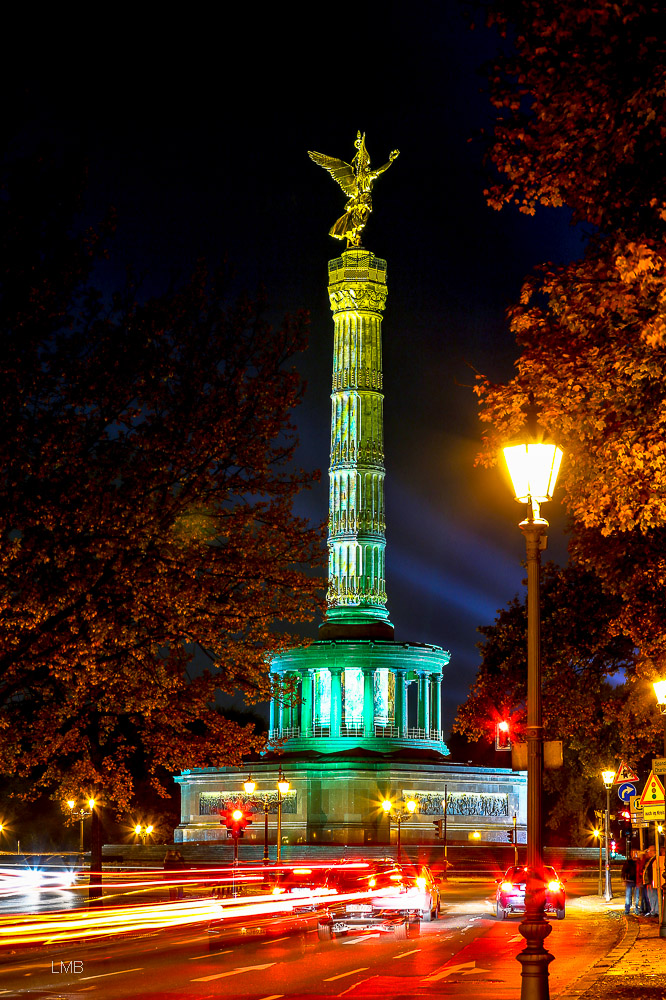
(608,778)
(143,832)
(283,788)
(80,814)
(533,466)
(403,812)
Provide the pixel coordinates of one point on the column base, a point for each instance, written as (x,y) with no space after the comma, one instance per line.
(356,623)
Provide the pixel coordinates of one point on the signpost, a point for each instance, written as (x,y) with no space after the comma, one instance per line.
(624,773)
(626,791)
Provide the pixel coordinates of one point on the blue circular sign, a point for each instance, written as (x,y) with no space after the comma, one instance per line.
(626,791)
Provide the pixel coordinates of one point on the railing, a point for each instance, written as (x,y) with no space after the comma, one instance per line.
(321,730)
(387,732)
(352,729)
(286,733)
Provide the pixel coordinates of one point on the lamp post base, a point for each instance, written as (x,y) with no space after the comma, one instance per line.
(534,959)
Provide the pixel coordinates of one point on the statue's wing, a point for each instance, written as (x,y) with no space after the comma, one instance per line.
(339,170)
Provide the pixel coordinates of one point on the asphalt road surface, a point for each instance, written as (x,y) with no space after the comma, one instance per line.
(467,953)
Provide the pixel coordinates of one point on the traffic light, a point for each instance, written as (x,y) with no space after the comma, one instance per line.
(236,818)
(437,823)
(502,737)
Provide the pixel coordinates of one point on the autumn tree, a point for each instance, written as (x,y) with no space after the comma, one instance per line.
(581,122)
(589,700)
(145,507)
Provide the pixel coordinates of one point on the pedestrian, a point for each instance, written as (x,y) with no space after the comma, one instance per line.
(640,892)
(650,880)
(628,875)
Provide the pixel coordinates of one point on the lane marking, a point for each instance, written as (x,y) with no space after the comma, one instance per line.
(274,941)
(102,975)
(404,953)
(233,972)
(197,958)
(341,975)
(467,969)
(355,986)
(273,996)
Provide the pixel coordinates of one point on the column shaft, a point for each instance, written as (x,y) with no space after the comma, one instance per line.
(336,701)
(368,702)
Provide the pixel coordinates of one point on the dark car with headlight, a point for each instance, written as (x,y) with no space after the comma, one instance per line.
(510,896)
(372,896)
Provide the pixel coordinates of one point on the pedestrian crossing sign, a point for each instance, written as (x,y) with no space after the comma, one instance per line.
(624,773)
(653,794)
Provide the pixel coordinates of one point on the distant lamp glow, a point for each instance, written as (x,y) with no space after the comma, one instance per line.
(660,692)
(149,829)
(283,785)
(137,828)
(608,777)
(71,803)
(91,803)
(249,785)
(386,806)
(411,806)
(476,835)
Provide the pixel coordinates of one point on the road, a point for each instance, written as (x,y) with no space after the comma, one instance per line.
(467,953)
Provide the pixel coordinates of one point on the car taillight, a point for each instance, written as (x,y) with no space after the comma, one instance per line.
(372,882)
(421,882)
(506,886)
(278,890)
(555,886)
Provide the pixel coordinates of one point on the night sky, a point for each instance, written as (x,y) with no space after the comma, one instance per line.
(197,133)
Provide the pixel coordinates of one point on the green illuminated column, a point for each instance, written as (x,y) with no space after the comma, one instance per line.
(368,701)
(437,679)
(306,702)
(356,540)
(400,702)
(336,700)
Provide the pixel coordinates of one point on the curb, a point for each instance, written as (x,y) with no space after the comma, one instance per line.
(602,965)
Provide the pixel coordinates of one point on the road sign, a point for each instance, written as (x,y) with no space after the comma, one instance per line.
(637,818)
(624,773)
(653,794)
(626,791)
(659,765)
(654,812)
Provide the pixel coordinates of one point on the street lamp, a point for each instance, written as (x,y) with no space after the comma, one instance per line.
(608,778)
(80,814)
(283,788)
(660,691)
(533,467)
(404,811)
(143,832)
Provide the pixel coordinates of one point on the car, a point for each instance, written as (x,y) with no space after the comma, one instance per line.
(510,895)
(302,882)
(426,882)
(374,896)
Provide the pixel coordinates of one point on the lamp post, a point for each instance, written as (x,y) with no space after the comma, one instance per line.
(143,832)
(533,467)
(283,788)
(608,778)
(660,692)
(404,811)
(80,814)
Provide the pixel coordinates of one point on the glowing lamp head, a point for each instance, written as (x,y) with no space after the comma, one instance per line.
(386,806)
(476,835)
(608,777)
(71,803)
(91,803)
(660,692)
(249,786)
(137,828)
(411,806)
(504,726)
(533,468)
(596,833)
(149,829)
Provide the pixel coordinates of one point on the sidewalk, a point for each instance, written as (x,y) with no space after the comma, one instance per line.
(635,968)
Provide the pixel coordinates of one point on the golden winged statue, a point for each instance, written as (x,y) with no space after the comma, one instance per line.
(356,180)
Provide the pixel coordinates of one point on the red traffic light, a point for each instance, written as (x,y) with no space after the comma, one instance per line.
(502,736)
(235,818)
